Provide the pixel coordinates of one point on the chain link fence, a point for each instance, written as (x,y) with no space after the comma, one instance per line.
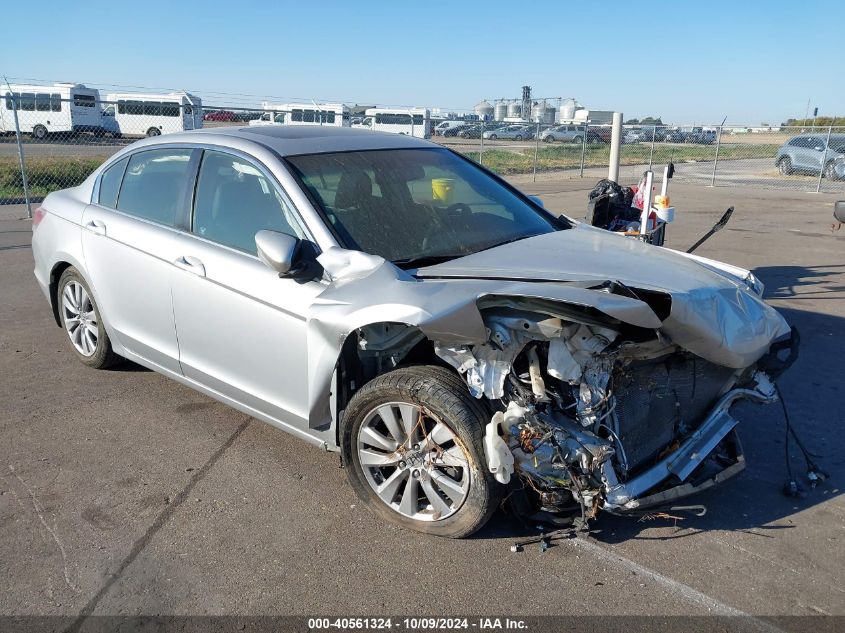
(50,142)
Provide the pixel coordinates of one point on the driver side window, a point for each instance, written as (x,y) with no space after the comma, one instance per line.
(234,200)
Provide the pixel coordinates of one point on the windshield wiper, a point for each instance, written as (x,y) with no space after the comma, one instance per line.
(426,260)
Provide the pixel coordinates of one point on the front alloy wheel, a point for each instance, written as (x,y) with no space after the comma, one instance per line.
(413,462)
(413,452)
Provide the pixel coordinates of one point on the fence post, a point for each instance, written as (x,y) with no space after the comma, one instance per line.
(615,146)
(20,156)
(651,153)
(481,150)
(536,149)
(584,146)
(824,158)
(716,158)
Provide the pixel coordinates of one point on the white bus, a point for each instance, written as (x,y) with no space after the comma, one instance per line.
(410,121)
(135,114)
(43,110)
(336,114)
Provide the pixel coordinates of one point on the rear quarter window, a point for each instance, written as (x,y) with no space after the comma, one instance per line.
(110,184)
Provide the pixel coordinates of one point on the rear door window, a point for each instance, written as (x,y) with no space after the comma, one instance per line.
(154,183)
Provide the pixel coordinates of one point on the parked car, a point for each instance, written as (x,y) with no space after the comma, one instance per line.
(472,131)
(809,153)
(384,297)
(453,131)
(441,128)
(631,136)
(569,133)
(701,136)
(219,115)
(512,132)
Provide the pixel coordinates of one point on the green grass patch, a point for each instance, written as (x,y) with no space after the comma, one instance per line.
(44,174)
(568,156)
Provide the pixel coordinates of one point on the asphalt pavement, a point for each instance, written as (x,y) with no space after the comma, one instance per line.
(124,493)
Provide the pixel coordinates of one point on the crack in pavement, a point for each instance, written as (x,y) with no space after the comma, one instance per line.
(39,511)
(159,523)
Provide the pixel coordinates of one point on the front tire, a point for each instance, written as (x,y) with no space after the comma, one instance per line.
(785,166)
(412,447)
(830,171)
(82,322)
(39,132)
(153,131)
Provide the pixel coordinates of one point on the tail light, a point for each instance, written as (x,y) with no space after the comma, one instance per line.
(37,216)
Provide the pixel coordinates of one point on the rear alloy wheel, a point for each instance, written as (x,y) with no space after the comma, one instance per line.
(785,165)
(153,131)
(412,447)
(39,132)
(82,323)
(492,137)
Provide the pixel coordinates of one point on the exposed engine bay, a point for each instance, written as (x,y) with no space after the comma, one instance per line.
(592,417)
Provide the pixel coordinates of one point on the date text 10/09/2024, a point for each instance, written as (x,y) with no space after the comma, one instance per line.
(416,624)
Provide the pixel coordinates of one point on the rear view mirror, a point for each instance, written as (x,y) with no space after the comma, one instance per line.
(277,250)
(839,211)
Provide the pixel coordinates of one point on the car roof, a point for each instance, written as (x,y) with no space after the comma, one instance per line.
(290,140)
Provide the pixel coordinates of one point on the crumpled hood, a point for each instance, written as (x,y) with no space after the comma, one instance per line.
(712,315)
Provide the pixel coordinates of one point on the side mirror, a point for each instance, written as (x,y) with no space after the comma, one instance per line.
(839,211)
(818,148)
(277,250)
(536,200)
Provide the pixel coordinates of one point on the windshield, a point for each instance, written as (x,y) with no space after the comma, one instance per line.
(413,205)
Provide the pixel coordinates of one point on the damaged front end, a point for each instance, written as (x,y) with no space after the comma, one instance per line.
(596,414)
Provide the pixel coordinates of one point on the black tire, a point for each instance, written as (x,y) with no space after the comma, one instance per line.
(39,132)
(785,165)
(443,397)
(518,137)
(549,139)
(492,137)
(578,140)
(830,171)
(103,355)
(153,131)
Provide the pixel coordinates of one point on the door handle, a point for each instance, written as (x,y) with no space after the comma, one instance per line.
(191,264)
(96,226)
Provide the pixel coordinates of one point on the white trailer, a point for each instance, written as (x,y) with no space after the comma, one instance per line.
(336,114)
(60,108)
(136,114)
(409,121)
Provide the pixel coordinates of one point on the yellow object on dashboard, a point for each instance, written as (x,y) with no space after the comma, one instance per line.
(441,189)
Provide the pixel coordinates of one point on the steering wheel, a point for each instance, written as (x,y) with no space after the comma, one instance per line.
(458,209)
(458,214)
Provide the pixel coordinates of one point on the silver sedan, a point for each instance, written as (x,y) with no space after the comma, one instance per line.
(387,298)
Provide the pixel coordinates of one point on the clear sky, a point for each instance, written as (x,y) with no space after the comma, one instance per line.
(751,61)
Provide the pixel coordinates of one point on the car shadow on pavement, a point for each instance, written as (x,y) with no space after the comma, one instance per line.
(754,501)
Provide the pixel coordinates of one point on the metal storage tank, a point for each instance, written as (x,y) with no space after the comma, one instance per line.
(515,109)
(567,110)
(538,111)
(500,110)
(551,115)
(484,110)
